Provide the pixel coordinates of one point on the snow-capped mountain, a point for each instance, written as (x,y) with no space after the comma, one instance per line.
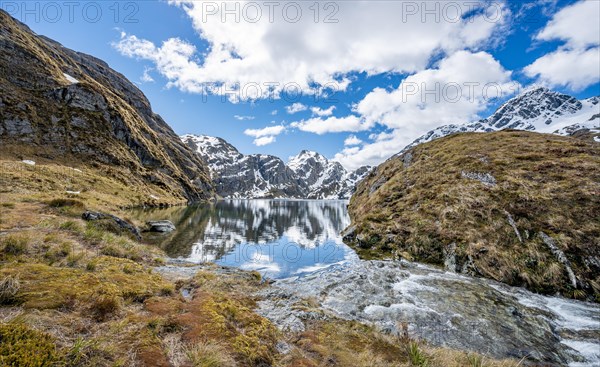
(540,110)
(216,152)
(320,177)
(324,179)
(308,175)
(243,176)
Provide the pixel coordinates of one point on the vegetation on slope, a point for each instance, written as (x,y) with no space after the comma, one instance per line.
(77,293)
(102,121)
(492,205)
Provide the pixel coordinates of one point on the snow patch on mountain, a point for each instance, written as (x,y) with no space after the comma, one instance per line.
(309,175)
(70,79)
(540,110)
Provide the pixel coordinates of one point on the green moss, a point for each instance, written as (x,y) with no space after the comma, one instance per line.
(21,346)
(47,287)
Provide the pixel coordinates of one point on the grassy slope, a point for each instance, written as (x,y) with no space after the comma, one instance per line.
(74,293)
(417,205)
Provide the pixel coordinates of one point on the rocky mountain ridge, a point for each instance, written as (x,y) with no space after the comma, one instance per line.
(539,109)
(66,107)
(309,175)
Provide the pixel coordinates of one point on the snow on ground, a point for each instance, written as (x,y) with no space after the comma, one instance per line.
(70,78)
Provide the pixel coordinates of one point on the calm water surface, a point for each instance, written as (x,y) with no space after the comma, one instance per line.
(278,238)
(299,243)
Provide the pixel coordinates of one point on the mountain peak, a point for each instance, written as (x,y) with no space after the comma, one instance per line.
(538,90)
(308,153)
(534,110)
(307,175)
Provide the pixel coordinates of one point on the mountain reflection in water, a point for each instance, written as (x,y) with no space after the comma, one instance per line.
(278,238)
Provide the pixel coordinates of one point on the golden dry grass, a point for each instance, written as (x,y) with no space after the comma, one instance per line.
(84,296)
(546,183)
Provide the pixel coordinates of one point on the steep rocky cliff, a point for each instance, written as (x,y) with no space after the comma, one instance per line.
(66,107)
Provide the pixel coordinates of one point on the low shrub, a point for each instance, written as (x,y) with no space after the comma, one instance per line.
(104,306)
(25,347)
(64,202)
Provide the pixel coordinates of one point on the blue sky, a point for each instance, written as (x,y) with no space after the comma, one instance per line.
(372,52)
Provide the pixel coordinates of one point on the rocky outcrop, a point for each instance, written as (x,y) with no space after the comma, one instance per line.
(66,106)
(484,178)
(161,226)
(121,224)
(560,256)
(441,308)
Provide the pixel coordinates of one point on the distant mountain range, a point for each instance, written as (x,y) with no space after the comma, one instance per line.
(312,176)
(309,175)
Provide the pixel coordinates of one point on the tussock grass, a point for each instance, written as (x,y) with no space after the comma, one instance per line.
(15,244)
(209,355)
(545,183)
(9,288)
(84,296)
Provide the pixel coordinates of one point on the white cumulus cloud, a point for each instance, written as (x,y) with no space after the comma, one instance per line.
(322,112)
(460,87)
(577,24)
(575,69)
(350,123)
(576,63)
(264,140)
(267,54)
(296,107)
(269,130)
(146,77)
(265,135)
(352,140)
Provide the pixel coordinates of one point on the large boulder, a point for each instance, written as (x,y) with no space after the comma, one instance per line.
(162,226)
(120,223)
